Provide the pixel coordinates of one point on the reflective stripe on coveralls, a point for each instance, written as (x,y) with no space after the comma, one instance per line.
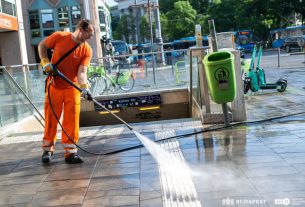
(48,145)
(69,148)
(69,100)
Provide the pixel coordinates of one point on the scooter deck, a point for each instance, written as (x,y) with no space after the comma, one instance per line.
(269,86)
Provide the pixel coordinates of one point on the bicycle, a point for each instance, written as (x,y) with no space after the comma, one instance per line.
(100,81)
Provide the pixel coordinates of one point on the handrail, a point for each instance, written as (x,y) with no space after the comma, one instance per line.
(19,66)
(143,54)
(191,51)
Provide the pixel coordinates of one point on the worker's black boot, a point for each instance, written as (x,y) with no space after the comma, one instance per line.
(46,156)
(74,159)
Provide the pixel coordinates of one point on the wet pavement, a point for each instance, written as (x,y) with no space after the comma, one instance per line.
(257,164)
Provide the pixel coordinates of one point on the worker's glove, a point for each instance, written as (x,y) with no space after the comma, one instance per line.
(86,94)
(47,66)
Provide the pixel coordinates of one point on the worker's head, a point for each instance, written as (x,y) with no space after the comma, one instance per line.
(84,30)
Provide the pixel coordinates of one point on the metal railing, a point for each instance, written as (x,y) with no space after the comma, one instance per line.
(22,87)
(20,92)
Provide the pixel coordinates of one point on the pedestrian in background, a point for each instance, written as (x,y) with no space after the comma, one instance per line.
(64,97)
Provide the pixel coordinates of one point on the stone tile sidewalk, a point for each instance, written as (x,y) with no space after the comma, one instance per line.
(258,164)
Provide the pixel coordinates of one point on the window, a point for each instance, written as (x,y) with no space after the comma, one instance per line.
(47,32)
(8,7)
(101,15)
(34,23)
(34,19)
(36,34)
(63,17)
(75,14)
(47,18)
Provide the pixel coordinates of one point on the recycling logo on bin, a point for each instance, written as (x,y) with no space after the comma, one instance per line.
(222,76)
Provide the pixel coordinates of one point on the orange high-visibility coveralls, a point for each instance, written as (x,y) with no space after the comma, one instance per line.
(63,96)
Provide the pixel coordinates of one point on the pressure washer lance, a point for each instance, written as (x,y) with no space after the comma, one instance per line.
(56,72)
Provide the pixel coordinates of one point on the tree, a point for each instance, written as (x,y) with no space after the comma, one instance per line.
(166,5)
(164,23)
(261,16)
(181,20)
(224,14)
(257,15)
(299,8)
(144,29)
(200,6)
(125,29)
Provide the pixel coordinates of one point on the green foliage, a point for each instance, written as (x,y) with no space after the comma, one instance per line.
(125,29)
(144,29)
(181,20)
(178,18)
(299,7)
(200,5)
(166,5)
(165,26)
(257,15)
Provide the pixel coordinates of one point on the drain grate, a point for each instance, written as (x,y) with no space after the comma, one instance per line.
(177,187)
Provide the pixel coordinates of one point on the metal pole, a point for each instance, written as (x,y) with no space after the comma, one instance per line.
(151,41)
(87,10)
(225,114)
(213,35)
(304,52)
(191,84)
(215,49)
(138,38)
(158,32)
(204,92)
(278,57)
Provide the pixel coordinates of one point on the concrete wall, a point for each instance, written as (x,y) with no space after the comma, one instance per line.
(10,48)
(27,31)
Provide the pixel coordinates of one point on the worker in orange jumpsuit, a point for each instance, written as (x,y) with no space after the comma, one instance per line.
(64,97)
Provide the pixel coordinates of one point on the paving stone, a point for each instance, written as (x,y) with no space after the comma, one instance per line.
(59,197)
(128,197)
(55,185)
(114,182)
(258,162)
(279,183)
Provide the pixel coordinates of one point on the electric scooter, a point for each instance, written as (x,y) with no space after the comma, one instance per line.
(255,78)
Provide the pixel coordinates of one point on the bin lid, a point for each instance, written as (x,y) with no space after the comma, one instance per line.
(218,56)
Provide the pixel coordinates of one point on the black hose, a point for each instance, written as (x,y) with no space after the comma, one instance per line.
(209,129)
(49,97)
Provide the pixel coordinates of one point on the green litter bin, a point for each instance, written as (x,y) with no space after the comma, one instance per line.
(220,73)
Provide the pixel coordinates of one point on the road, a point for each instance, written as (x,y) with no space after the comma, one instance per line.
(271,59)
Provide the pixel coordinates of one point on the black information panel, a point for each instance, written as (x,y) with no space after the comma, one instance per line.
(129,102)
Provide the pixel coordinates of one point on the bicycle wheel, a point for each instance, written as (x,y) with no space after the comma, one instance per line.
(126,81)
(98,86)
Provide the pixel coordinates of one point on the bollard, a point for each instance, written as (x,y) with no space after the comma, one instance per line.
(278,57)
